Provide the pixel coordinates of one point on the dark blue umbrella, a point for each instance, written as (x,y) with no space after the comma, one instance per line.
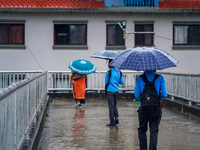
(106,54)
(82,66)
(144,58)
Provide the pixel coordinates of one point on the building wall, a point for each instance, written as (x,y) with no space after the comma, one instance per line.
(40,55)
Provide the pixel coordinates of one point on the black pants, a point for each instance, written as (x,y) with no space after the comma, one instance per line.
(112,105)
(153,126)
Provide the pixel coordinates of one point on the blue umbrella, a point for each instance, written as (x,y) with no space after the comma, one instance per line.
(144,58)
(82,66)
(106,54)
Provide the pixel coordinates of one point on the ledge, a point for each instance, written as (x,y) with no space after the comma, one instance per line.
(12,47)
(93,94)
(186,47)
(182,108)
(115,47)
(65,47)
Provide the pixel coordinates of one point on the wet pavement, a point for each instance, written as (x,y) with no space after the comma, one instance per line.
(71,128)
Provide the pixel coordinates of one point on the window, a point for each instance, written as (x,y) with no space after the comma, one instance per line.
(144,39)
(186,34)
(70,34)
(114,36)
(11,34)
(140,3)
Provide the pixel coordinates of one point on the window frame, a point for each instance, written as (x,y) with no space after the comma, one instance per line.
(71,46)
(184,47)
(116,25)
(14,45)
(182,44)
(114,47)
(151,23)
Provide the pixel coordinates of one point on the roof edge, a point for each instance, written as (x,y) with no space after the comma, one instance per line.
(109,9)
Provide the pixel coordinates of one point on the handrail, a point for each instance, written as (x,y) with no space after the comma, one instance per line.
(19,104)
(9,77)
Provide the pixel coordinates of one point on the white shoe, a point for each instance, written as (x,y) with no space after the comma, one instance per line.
(77,104)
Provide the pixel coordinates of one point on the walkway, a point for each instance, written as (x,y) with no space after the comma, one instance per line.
(68,128)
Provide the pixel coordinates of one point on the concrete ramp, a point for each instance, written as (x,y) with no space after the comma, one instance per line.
(71,128)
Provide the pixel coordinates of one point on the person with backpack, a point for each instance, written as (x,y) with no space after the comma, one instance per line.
(113,78)
(150,88)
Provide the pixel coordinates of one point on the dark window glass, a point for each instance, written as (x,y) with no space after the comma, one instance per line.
(70,34)
(11,33)
(114,35)
(144,39)
(186,35)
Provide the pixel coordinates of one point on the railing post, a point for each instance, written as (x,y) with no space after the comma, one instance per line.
(15,122)
(189,93)
(157,3)
(172,97)
(98,82)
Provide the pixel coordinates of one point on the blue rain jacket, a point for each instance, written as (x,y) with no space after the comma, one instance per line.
(115,80)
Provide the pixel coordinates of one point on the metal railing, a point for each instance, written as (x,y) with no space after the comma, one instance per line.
(131,3)
(19,105)
(23,101)
(59,81)
(9,77)
(183,86)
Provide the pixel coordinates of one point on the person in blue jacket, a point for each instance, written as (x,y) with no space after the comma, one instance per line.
(116,78)
(153,125)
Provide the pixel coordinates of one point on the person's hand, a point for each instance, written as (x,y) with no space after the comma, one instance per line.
(76,76)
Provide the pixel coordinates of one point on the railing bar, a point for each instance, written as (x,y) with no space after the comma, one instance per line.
(54,75)
(62,79)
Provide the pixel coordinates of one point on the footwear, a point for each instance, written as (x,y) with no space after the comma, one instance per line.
(117,121)
(77,104)
(111,124)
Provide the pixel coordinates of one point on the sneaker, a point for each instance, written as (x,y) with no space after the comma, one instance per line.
(117,121)
(77,104)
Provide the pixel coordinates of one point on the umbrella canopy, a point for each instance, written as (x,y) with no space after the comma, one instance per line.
(82,66)
(144,58)
(106,54)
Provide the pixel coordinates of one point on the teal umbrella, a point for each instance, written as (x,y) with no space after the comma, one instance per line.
(82,66)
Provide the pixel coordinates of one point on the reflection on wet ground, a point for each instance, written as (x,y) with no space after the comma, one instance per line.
(71,128)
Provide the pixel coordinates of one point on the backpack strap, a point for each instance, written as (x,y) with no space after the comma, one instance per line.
(144,78)
(155,77)
(109,77)
(120,75)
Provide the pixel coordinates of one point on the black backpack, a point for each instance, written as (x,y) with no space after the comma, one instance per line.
(150,105)
(106,86)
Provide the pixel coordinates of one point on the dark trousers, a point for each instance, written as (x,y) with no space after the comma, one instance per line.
(112,105)
(153,126)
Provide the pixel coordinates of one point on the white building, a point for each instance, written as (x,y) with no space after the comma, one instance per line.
(48,35)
